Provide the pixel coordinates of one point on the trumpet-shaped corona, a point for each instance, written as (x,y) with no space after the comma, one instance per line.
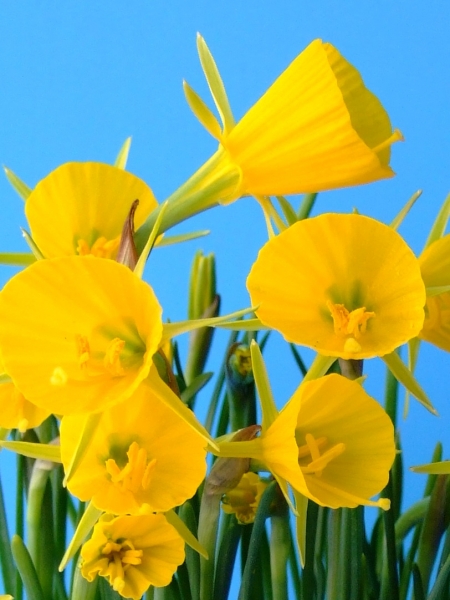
(132,553)
(331,442)
(78,333)
(80,208)
(344,285)
(316,128)
(140,453)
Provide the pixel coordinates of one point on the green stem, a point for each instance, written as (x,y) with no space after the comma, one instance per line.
(280,547)
(6,558)
(26,569)
(335,576)
(247,585)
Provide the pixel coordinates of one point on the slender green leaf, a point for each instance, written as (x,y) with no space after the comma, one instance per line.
(202,112)
(440,223)
(41,451)
(26,569)
(170,240)
(21,188)
(122,157)
(215,84)
(398,220)
(406,378)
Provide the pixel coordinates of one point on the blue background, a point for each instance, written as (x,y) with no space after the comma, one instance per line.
(77,78)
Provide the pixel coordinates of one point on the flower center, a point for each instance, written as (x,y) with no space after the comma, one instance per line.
(352,323)
(120,555)
(136,474)
(312,450)
(102,247)
(111,360)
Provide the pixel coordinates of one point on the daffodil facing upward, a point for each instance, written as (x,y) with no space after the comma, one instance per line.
(132,553)
(78,333)
(80,208)
(331,442)
(345,285)
(140,453)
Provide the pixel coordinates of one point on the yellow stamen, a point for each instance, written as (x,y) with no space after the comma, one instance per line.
(111,361)
(120,556)
(136,475)
(396,136)
(58,377)
(102,247)
(319,461)
(352,323)
(84,352)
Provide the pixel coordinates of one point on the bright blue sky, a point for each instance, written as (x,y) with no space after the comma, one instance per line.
(79,77)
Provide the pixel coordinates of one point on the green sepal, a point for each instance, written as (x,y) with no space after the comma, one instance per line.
(244,325)
(268,407)
(185,533)
(90,517)
(437,290)
(166,395)
(140,265)
(21,259)
(215,84)
(26,569)
(170,330)
(170,240)
(399,218)
(434,468)
(319,367)
(407,379)
(195,386)
(412,356)
(440,223)
(32,244)
(39,451)
(301,505)
(202,112)
(122,157)
(20,187)
(288,211)
(89,428)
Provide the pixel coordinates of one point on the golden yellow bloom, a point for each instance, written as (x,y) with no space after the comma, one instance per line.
(243,500)
(80,208)
(140,453)
(78,333)
(316,128)
(132,553)
(16,412)
(435,268)
(344,285)
(331,442)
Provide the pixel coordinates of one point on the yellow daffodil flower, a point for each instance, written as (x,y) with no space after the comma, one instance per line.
(132,553)
(78,333)
(345,285)
(16,412)
(435,267)
(140,453)
(331,442)
(80,208)
(316,128)
(243,500)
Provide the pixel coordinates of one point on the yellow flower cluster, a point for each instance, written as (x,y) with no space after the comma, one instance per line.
(81,334)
